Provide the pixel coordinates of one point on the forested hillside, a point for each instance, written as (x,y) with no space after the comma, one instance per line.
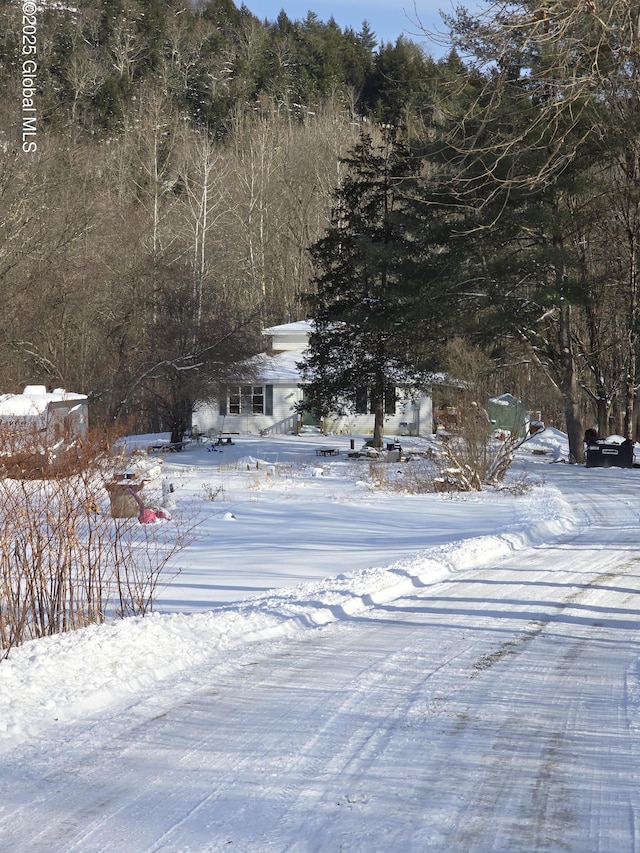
(183,163)
(175,177)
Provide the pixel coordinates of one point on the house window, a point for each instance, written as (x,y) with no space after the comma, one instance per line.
(364,401)
(250,400)
(389,400)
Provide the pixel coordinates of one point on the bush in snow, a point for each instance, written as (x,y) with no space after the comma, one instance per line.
(65,562)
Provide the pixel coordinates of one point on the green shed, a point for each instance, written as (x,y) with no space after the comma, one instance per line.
(508,414)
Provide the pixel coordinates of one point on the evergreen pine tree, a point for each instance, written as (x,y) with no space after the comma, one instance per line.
(361,349)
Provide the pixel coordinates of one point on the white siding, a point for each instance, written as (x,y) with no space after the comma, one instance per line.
(281,372)
(207,415)
(412,418)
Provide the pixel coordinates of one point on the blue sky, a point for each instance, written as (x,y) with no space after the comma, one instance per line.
(387,18)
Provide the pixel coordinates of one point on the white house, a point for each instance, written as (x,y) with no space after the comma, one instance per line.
(268,404)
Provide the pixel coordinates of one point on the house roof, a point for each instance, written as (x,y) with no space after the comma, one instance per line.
(290,336)
(34,401)
(304,326)
(506,400)
(281,367)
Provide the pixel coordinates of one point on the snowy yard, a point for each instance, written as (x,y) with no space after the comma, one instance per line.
(335,666)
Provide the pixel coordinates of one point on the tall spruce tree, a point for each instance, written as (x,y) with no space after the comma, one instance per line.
(362,347)
(549,152)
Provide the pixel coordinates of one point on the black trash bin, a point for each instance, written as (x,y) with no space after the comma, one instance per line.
(604,455)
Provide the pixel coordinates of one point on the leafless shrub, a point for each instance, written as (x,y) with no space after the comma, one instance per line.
(521,485)
(467,461)
(142,554)
(457,476)
(415,477)
(212,492)
(473,457)
(418,477)
(378,474)
(64,561)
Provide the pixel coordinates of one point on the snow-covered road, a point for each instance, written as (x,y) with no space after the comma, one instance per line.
(495,710)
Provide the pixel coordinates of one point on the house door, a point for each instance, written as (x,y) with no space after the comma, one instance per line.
(309,418)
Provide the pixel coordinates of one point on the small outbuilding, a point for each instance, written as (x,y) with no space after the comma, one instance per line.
(42,423)
(508,414)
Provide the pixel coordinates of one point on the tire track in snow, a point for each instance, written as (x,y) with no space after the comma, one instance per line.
(376,735)
(545,813)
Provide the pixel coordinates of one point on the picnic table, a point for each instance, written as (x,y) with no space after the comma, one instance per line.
(327,451)
(168,446)
(225,439)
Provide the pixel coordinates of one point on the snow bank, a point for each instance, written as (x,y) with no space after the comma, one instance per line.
(58,679)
